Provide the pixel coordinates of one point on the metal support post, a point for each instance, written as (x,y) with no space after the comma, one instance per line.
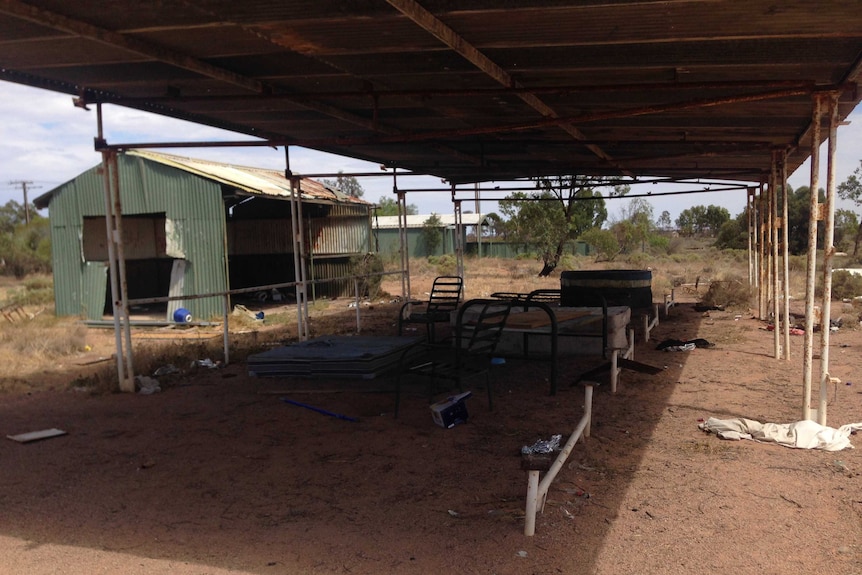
(785,255)
(828,257)
(749,205)
(402,236)
(814,211)
(296,242)
(763,283)
(776,300)
(129,383)
(459,236)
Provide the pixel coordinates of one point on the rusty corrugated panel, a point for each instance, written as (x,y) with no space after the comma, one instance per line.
(254,181)
(248,237)
(331,268)
(339,235)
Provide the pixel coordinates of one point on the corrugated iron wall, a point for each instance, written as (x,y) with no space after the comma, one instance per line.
(330,268)
(192,212)
(193,204)
(345,230)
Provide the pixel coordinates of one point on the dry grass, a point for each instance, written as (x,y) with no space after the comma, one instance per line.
(44,343)
(43,337)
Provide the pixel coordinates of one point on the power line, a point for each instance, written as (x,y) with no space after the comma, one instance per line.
(23,184)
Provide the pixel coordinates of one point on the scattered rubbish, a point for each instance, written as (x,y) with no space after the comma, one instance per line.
(521,554)
(319,410)
(454,513)
(147,385)
(168,369)
(567,513)
(737,317)
(451,411)
(638,366)
(182,315)
(208,363)
(543,446)
(498,361)
(239,309)
(13,312)
(805,434)
(684,345)
(36,435)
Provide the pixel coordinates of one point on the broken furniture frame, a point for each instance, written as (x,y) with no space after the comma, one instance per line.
(544,299)
(669,301)
(537,491)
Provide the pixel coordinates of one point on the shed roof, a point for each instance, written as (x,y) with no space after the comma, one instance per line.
(468,91)
(246,180)
(418,221)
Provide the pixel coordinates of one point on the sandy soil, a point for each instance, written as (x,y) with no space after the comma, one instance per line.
(216,475)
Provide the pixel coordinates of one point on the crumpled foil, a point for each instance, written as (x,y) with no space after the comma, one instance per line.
(543,446)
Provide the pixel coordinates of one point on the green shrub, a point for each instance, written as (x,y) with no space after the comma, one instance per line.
(846,285)
(364,265)
(445,265)
(38,290)
(659,244)
(639,259)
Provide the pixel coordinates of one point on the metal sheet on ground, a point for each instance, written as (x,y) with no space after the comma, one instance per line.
(363,357)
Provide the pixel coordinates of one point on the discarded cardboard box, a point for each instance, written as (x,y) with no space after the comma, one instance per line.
(451,411)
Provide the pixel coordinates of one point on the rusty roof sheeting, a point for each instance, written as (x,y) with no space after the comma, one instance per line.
(469,91)
(253,181)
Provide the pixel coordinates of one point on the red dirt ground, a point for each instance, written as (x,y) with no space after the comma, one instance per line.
(216,475)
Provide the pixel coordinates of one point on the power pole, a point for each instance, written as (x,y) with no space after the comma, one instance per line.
(24,184)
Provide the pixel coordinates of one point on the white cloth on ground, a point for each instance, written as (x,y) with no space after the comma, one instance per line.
(804,434)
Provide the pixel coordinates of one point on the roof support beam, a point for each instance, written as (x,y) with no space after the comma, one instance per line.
(111,38)
(448,36)
(172,57)
(468,92)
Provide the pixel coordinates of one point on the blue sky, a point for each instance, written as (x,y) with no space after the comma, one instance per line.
(44,139)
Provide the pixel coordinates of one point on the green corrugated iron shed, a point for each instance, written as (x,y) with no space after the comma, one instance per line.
(176,211)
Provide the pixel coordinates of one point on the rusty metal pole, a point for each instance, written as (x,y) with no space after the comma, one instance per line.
(764,254)
(755,214)
(128,384)
(303,263)
(749,205)
(773,270)
(405,250)
(785,252)
(828,257)
(814,209)
(459,243)
(295,225)
(112,262)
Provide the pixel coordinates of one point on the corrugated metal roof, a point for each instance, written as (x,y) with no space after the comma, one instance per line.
(418,221)
(475,90)
(253,181)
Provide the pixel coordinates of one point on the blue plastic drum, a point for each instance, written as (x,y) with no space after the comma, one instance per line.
(182,315)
